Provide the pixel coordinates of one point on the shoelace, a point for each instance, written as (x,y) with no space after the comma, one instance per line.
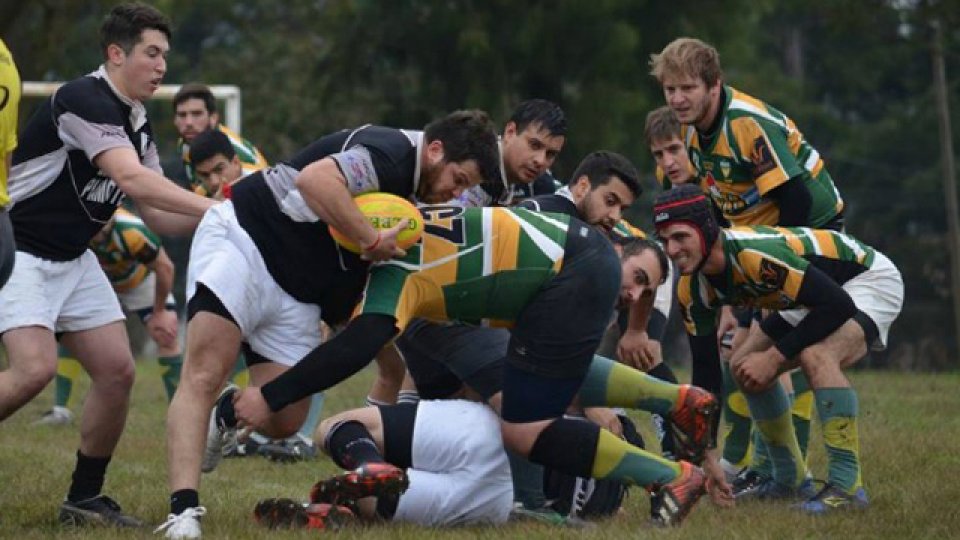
(173,519)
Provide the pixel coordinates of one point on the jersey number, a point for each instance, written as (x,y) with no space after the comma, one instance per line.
(445,222)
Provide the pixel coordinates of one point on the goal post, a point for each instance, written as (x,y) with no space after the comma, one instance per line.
(227,92)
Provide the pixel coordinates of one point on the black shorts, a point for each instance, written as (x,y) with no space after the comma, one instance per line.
(558,332)
(443,357)
(8,247)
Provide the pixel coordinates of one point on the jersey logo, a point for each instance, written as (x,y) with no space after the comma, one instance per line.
(762,157)
(772,273)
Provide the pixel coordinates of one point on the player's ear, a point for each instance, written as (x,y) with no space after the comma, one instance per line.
(214,119)
(435,152)
(581,187)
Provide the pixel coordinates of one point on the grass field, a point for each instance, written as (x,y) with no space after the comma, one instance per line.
(910,436)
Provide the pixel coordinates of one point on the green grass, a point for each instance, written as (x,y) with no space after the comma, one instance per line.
(910,435)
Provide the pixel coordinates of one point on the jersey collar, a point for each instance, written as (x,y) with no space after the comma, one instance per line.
(138,113)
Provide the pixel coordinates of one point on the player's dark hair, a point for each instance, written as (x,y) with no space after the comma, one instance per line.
(547,114)
(466,135)
(600,166)
(633,246)
(196,91)
(125,23)
(210,143)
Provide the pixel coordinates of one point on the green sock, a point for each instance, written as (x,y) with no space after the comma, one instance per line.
(760,460)
(837,408)
(240,374)
(802,409)
(68,373)
(170,367)
(771,414)
(611,384)
(736,414)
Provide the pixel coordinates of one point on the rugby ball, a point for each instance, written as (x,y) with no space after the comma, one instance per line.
(385,210)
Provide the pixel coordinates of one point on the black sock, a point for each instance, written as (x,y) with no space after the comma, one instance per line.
(225,413)
(87,477)
(568,446)
(182,499)
(663,372)
(351,445)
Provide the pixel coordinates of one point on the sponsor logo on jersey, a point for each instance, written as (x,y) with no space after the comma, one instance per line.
(773,273)
(762,157)
(725,169)
(101,189)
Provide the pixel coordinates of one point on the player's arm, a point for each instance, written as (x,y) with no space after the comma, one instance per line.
(794,200)
(163,268)
(324,189)
(332,362)
(830,307)
(634,346)
(165,207)
(700,322)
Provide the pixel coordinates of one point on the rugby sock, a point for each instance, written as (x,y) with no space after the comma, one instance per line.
(351,445)
(182,499)
(739,425)
(87,477)
(801,409)
(240,374)
(611,384)
(68,373)
(771,413)
(313,416)
(584,449)
(838,408)
(760,458)
(374,402)
(663,372)
(170,367)
(527,481)
(411,397)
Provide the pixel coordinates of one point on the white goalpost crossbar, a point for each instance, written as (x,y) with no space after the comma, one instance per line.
(227,92)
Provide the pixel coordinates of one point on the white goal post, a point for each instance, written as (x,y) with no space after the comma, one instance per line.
(227,92)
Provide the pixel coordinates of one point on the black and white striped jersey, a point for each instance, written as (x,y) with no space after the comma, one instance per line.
(295,244)
(60,199)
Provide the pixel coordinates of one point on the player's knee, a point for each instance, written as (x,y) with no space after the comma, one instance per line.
(35,375)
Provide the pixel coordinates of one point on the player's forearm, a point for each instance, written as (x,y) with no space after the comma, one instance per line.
(830,306)
(639,315)
(152,189)
(163,268)
(331,362)
(323,189)
(167,223)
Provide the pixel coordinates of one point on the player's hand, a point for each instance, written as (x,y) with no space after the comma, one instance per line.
(250,408)
(757,370)
(605,418)
(386,245)
(162,327)
(637,350)
(720,491)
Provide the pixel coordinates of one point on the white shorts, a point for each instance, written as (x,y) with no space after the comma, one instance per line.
(460,473)
(224,258)
(61,296)
(141,296)
(877,292)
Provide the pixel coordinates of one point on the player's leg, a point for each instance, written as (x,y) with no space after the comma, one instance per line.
(390,374)
(64,390)
(140,300)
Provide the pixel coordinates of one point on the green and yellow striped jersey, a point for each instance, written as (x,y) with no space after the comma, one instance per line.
(757,149)
(251,160)
(474,265)
(127,250)
(765,267)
